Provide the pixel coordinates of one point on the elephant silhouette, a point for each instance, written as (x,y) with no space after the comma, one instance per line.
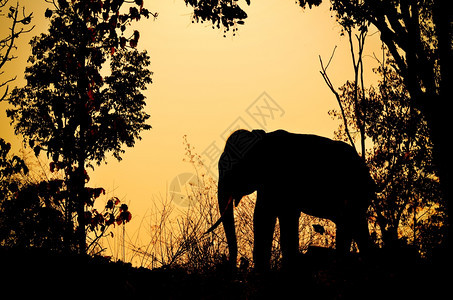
(293,173)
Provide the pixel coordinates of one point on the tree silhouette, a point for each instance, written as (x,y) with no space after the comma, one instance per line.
(31,218)
(71,106)
(400,161)
(418,35)
(222,14)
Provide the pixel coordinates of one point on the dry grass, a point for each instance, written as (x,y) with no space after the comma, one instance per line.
(175,236)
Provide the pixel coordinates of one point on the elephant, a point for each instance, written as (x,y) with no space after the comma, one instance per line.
(292,173)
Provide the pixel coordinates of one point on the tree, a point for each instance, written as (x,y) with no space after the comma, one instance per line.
(400,161)
(19,24)
(418,35)
(71,107)
(357,85)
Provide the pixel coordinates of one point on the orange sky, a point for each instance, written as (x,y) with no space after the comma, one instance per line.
(203,83)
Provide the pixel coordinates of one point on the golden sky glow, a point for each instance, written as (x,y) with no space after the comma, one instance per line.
(204,82)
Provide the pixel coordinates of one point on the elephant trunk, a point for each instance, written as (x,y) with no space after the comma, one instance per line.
(226,207)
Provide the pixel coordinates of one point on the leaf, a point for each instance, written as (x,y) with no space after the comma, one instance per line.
(136,35)
(95,192)
(123,207)
(134,13)
(37,150)
(26,20)
(48,13)
(122,42)
(109,204)
(90,94)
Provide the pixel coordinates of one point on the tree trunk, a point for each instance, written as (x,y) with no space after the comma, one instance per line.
(441,126)
(80,204)
(69,225)
(83,87)
(441,154)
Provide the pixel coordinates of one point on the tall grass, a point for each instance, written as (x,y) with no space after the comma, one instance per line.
(175,236)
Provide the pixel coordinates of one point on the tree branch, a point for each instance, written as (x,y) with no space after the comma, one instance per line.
(6,91)
(337,96)
(8,42)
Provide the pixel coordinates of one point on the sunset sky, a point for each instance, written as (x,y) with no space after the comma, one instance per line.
(205,84)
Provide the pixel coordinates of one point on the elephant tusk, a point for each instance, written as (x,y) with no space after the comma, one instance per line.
(216,224)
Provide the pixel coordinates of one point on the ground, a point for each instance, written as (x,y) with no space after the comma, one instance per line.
(318,276)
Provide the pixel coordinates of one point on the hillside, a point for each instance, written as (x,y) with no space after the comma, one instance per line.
(35,273)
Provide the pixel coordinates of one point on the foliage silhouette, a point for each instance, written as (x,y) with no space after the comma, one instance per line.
(72,110)
(419,38)
(34,209)
(400,160)
(32,219)
(9,167)
(222,14)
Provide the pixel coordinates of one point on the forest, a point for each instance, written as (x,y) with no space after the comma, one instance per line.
(84,101)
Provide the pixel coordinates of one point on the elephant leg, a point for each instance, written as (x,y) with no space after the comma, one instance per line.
(263,225)
(289,238)
(343,239)
(362,235)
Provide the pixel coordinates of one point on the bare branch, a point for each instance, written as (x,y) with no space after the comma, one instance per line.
(4,95)
(337,96)
(3,3)
(7,43)
(8,81)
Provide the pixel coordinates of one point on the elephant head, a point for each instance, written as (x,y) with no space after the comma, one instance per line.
(234,181)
